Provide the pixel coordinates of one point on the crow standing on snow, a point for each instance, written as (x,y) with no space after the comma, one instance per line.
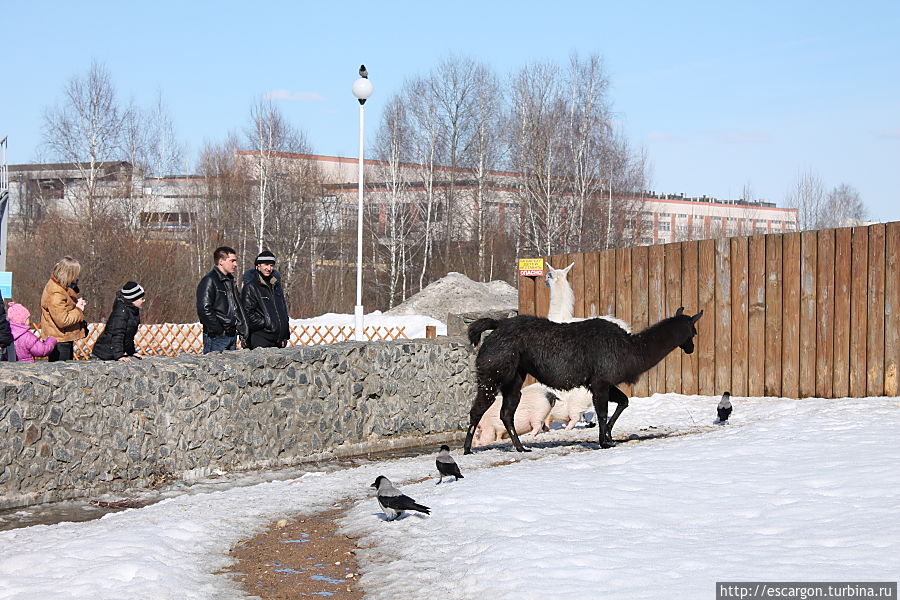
(393,502)
(724,407)
(363,72)
(446,466)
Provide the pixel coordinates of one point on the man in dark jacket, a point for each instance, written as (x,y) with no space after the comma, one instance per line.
(219,305)
(117,340)
(264,304)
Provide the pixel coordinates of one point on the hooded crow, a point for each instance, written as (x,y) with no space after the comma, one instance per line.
(393,502)
(724,407)
(363,72)
(446,466)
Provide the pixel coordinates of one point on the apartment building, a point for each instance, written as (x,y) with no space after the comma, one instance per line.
(671,218)
(166,202)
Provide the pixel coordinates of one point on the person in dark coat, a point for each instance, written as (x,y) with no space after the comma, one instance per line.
(117,340)
(7,344)
(264,304)
(219,304)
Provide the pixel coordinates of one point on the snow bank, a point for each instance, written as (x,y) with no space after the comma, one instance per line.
(789,490)
(455,293)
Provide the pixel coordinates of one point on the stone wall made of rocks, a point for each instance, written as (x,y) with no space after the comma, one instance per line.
(77,429)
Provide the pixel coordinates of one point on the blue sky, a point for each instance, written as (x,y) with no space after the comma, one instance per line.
(720,94)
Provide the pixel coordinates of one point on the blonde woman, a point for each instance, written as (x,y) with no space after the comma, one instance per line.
(62,310)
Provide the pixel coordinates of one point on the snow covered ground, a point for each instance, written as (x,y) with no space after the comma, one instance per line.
(788,490)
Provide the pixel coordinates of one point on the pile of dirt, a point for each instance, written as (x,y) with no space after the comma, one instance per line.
(456,294)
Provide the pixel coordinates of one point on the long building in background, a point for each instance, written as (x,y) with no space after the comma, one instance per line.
(166,202)
(657,219)
(670,218)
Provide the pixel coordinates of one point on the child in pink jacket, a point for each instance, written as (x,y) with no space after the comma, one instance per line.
(28,345)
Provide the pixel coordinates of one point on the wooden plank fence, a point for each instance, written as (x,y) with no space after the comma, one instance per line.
(172,339)
(811,314)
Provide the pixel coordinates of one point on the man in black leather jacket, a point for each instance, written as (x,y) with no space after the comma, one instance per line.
(264,304)
(219,306)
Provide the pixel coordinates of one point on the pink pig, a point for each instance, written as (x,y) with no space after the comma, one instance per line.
(572,404)
(534,406)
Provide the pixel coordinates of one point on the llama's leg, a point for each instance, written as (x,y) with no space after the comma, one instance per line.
(512,392)
(487,391)
(616,395)
(600,392)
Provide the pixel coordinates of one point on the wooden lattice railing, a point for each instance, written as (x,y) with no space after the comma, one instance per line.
(171,339)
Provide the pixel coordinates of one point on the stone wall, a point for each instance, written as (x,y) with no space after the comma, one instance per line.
(73,430)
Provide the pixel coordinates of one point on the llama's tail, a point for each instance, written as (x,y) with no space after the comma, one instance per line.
(480,326)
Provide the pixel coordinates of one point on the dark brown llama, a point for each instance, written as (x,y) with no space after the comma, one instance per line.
(596,354)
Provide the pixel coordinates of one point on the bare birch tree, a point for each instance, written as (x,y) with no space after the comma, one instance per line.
(844,207)
(215,220)
(395,239)
(808,196)
(87,131)
(270,137)
(588,133)
(485,155)
(426,147)
(536,153)
(149,144)
(624,182)
(454,88)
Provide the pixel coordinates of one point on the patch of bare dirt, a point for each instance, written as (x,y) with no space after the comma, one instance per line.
(308,557)
(299,558)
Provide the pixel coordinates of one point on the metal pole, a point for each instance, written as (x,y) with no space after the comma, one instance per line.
(358,311)
(609,215)
(4,202)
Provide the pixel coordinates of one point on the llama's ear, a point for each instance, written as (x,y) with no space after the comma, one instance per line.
(549,266)
(696,317)
(679,311)
(569,268)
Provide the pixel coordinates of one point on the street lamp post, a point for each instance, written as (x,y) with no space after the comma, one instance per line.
(362,89)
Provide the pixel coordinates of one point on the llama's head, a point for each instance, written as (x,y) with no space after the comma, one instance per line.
(691,330)
(556,275)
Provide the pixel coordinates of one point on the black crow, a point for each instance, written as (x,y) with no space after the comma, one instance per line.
(393,502)
(363,72)
(446,466)
(724,408)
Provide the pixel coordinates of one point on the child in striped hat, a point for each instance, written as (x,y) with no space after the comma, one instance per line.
(117,340)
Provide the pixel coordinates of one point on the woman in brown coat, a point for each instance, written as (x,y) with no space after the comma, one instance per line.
(62,311)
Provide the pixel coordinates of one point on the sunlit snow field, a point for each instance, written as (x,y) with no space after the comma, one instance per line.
(788,490)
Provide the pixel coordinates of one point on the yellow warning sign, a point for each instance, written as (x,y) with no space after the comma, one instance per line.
(531,267)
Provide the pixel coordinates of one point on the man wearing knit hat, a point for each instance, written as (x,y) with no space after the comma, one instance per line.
(264,304)
(117,340)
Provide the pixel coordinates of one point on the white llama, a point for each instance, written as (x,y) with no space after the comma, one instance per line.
(574,403)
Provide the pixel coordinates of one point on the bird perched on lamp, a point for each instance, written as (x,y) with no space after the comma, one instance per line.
(363,72)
